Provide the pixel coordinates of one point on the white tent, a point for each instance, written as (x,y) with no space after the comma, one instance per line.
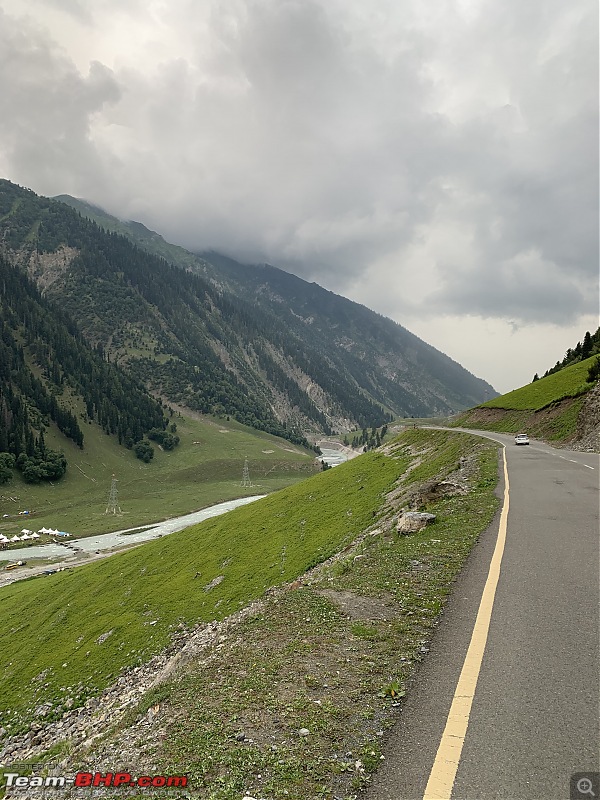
(15,538)
(44,530)
(25,537)
(26,530)
(34,536)
(3,538)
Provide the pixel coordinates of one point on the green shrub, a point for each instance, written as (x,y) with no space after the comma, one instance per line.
(144,451)
(594,371)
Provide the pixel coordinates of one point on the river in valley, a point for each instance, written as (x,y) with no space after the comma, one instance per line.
(119,539)
(335,456)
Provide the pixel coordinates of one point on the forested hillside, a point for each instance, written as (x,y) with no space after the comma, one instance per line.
(47,371)
(402,371)
(373,353)
(258,344)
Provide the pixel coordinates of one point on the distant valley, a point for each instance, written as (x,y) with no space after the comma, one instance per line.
(105,323)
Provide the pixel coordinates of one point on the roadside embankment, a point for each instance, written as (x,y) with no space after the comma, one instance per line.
(562,408)
(572,422)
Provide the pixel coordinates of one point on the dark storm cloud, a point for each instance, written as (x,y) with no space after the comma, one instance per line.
(47,108)
(309,148)
(447,152)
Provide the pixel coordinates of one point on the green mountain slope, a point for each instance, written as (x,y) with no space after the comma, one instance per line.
(548,408)
(170,329)
(331,348)
(263,544)
(585,349)
(397,367)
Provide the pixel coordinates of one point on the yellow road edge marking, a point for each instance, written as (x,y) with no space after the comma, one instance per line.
(444,769)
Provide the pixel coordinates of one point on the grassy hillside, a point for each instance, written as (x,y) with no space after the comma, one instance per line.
(568,383)
(333,652)
(272,541)
(547,408)
(204,469)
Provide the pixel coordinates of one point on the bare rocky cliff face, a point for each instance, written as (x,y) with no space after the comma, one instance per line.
(587,435)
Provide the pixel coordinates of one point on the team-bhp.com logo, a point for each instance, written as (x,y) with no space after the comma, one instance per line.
(90,779)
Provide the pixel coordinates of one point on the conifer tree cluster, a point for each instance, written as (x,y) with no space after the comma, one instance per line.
(111,284)
(367,439)
(46,370)
(582,350)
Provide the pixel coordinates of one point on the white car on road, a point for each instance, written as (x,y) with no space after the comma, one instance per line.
(521,438)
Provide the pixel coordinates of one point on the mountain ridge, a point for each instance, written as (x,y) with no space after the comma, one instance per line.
(236,276)
(226,272)
(219,337)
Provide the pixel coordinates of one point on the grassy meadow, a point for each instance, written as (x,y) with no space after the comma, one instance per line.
(204,469)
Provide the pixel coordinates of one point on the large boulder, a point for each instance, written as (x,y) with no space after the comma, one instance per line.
(413,521)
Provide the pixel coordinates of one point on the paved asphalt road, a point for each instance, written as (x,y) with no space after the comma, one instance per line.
(535,714)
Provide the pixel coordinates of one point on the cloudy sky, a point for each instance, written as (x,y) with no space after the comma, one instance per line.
(436,161)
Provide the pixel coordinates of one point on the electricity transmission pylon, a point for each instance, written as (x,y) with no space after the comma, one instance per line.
(246,482)
(112,507)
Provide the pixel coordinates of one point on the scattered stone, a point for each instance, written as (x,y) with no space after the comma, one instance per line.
(215,582)
(303,732)
(84,724)
(103,637)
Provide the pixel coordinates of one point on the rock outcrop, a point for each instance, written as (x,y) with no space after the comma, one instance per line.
(587,435)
